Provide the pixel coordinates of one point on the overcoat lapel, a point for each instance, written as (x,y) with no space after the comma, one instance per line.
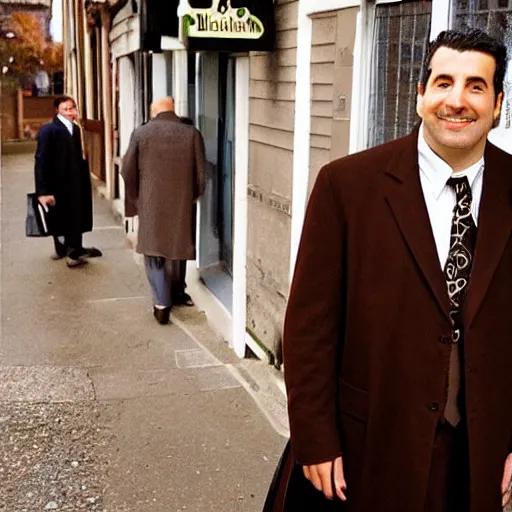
(405,197)
(62,127)
(494,226)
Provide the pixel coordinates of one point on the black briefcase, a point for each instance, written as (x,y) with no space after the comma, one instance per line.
(38,220)
(289,490)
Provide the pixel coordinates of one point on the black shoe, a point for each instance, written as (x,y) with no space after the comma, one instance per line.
(75,258)
(161,315)
(92,252)
(89,252)
(183,299)
(73,262)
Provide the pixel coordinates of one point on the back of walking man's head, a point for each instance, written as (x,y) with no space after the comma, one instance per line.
(162,105)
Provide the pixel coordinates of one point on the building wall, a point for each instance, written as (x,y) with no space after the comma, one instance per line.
(40,10)
(331,86)
(272,114)
(124,34)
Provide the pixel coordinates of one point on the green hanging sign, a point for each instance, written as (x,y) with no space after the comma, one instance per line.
(219,21)
(227,25)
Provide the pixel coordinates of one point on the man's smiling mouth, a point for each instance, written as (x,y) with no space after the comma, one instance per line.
(460,120)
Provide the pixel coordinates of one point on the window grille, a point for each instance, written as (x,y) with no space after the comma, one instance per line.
(495,17)
(400,40)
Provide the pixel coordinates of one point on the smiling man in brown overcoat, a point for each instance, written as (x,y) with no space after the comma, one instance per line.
(398,333)
(164,174)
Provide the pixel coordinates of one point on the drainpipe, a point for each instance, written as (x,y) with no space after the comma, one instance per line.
(89,97)
(80,75)
(66,44)
(107,102)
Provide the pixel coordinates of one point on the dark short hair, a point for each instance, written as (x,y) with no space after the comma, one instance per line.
(475,40)
(61,99)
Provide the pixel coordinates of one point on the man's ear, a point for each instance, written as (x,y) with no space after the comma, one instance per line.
(419,99)
(497,108)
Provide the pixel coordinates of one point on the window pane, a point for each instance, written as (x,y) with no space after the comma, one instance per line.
(495,17)
(400,39)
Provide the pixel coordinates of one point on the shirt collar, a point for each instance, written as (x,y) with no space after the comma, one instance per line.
(67,123)
(437,171)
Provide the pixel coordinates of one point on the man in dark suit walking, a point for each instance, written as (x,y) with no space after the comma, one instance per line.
(63,183)
(397,340)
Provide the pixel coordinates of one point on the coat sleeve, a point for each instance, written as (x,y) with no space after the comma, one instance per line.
(313,329)
(43,166)
(199,165)
(130,173)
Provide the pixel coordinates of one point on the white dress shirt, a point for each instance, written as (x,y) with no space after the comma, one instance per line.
(440,198)
(67,123)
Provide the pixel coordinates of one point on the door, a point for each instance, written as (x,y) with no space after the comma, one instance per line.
(227,154)
(207,114)
(215,114)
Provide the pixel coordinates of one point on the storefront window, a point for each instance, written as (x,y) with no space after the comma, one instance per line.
(495,17)
(401,35)
(401,32)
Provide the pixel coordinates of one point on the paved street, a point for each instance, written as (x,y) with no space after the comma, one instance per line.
(103,409)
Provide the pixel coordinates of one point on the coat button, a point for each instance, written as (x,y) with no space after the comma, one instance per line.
(433,406)
(446,340)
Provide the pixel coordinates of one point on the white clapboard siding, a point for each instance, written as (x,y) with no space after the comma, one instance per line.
(333,40)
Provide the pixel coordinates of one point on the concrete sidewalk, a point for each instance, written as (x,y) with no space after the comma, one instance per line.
(103,409)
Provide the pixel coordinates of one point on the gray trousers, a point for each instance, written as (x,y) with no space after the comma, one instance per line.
(167,279)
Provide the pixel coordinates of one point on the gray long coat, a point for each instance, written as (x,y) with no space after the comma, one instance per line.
(164,173)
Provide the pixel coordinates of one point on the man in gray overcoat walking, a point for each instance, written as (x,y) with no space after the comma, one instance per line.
(164,174)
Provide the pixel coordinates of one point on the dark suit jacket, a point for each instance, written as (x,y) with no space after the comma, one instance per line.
(365,343)
(61,171)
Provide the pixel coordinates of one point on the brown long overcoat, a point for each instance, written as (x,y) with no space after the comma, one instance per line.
(365,342)
(164,173)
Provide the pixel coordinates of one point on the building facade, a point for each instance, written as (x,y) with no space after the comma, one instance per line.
(42,9)
(334,77)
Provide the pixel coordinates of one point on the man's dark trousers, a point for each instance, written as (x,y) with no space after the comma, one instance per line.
(448,486)
(68,245)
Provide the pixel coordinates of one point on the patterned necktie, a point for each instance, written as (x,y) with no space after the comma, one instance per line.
(457,271)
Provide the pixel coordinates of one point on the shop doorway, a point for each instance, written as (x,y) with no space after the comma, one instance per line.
(215,118)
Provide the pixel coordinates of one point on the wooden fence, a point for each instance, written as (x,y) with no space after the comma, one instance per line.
(37,110)
(22,116)
(10,109)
